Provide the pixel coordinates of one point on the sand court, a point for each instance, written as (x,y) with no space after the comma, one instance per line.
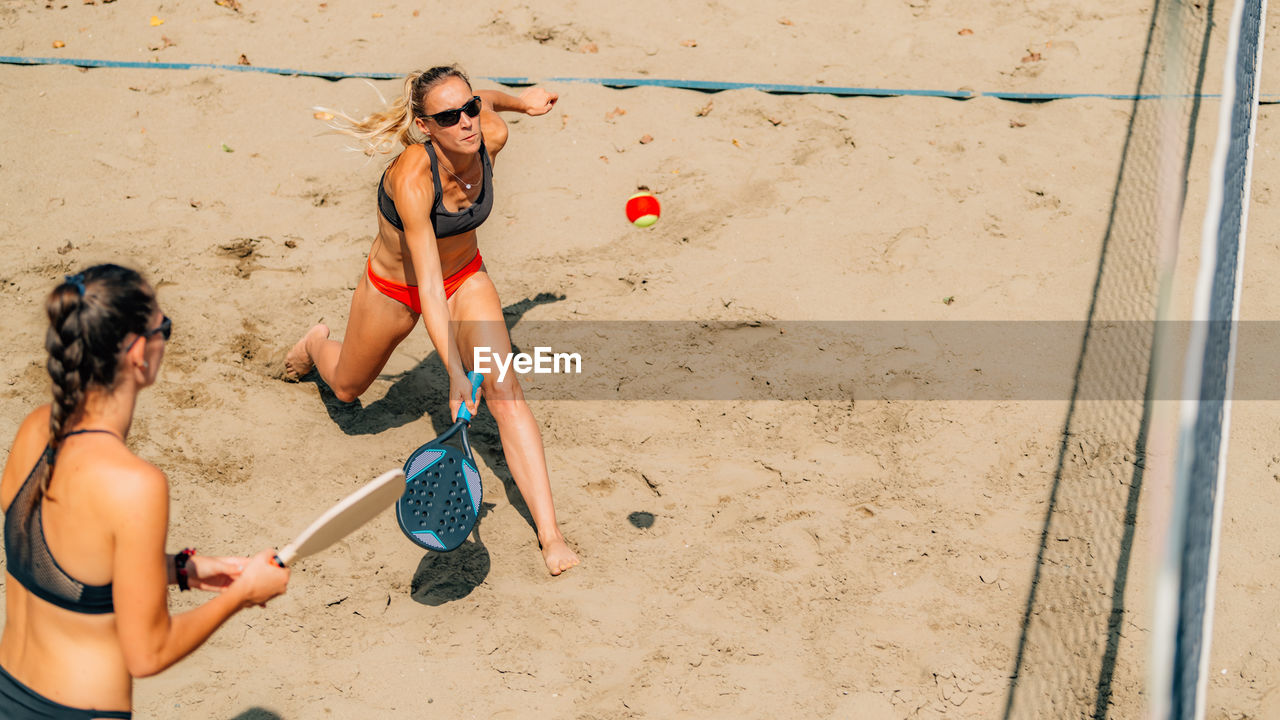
(856,553)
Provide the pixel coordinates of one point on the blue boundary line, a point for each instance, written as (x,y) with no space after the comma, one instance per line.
(700,85)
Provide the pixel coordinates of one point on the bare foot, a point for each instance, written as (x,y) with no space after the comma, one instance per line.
(298,362)
(557,554)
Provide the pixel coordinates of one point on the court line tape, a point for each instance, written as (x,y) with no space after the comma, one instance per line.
(700,85)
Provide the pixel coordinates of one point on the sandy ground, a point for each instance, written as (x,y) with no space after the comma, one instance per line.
(836,554)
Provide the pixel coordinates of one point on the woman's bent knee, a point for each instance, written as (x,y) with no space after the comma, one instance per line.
(348,393)
(504,395)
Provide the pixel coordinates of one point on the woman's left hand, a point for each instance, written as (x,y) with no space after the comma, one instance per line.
(538,101)
(213,574)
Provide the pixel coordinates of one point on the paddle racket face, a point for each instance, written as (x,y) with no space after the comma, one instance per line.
(442,493)
(441,500)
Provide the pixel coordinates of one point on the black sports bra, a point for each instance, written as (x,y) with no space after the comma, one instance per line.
(29,560)
(444,222)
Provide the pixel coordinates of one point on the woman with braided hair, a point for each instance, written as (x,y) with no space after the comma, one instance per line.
(425,263)
(86,519)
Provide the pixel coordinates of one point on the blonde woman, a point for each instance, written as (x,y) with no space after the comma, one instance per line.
(85,521)
(425,262)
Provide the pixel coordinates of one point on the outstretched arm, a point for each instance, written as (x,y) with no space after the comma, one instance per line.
(414,198)
(150,638)
(532,101)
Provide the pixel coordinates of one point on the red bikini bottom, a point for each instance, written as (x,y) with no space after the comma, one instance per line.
(408,294)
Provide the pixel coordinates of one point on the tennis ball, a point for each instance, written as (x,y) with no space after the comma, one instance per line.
(643,209)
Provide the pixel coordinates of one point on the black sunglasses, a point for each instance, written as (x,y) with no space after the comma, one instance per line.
(164,329)
(449,118)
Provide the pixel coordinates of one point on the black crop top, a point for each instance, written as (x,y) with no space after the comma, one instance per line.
(30,562)
(446,223)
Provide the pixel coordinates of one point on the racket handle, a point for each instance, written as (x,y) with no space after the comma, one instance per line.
(475,378)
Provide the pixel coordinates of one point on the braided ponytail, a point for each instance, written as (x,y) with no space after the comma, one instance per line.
(90,315)
(379,131)
(66,355)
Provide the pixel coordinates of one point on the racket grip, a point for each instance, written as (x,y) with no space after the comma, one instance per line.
(476,379)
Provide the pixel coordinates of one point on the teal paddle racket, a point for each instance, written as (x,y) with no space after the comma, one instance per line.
(441,500)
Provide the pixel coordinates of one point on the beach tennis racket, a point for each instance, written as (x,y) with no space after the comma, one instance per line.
(442,491)
(343,518)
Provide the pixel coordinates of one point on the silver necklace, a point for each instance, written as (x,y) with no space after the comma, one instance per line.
(465,184)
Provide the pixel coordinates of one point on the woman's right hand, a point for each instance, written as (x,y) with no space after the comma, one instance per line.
(261,579)
(460,393)
(537,101)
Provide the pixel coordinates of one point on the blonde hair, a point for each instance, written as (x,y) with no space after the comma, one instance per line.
(379,132)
